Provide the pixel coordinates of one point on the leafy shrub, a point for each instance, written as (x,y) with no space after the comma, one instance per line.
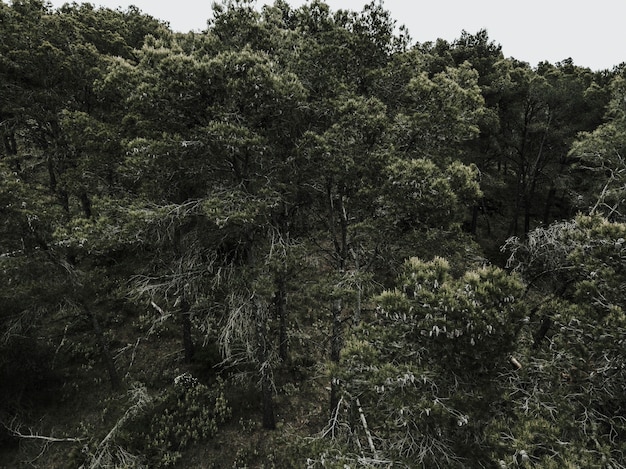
(188,412)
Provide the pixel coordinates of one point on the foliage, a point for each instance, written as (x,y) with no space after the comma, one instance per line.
(418,377)
(298,189)
(601,158)
(187,413)
(577,362)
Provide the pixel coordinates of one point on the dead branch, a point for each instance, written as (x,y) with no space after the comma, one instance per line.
(16,432)
(370,440)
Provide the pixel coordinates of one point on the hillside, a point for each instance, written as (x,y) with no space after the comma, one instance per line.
(300,240)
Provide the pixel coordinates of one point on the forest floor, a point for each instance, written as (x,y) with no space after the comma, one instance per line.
(81,407)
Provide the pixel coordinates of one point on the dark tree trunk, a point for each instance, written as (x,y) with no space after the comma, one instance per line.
(185,304)
(543,331)
(185,318)
(85,203)
(267,388)
(269,420)
(474,224)
(527,213)
(337,211)
(280,298)
(10,144)
(109,363)
(335,352)
(534,173)
(514,227)
(549,203)
(359,288)
(264,345)
(53,172)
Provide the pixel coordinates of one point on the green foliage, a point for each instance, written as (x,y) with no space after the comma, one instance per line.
(580,264)
(264,187)
(188,413)
(601,159)
(421,370)
(461,322)
(418,194)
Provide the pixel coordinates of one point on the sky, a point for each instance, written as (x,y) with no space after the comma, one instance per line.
(592,33)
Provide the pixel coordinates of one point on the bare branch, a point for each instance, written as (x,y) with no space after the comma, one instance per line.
(16,432)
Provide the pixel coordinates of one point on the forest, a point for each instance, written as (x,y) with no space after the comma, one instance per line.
(300,239)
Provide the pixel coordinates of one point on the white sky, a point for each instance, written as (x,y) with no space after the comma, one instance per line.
(592,33)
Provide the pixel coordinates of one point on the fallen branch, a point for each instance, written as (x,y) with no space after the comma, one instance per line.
(515,363)
(334,421)
(32,436)
(107,451)
(370,440)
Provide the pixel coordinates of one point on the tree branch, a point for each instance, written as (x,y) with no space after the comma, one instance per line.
(32,436)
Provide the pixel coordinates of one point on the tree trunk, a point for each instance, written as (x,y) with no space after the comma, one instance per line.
(185,317)
(546,323)
(359,288)
(534,173)
(280,298)
(116,382)
(85,203)
(549,202)
(269,420)
(265,366)
(513,228)
(474,224)
(335,352)
(340,241)
(527,213)
(10,144)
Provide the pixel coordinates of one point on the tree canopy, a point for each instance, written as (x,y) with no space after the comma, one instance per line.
(299,239)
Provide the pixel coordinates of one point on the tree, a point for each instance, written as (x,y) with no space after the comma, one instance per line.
(51,60)
(600,159)
(227,201)
(530,119)
(361,147)
(575,354)
(412,370)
